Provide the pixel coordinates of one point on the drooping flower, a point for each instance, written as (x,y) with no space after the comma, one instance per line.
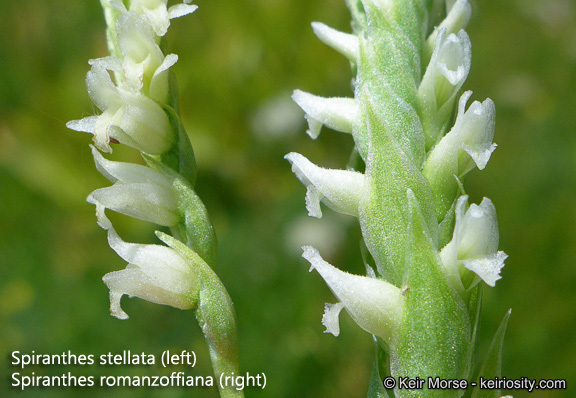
(375,305)
(128,117)
(338,189)
(138,191)
(155,273)
(336,113)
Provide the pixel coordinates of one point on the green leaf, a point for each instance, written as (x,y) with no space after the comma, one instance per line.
(181,156)
(215,314)
(194,227)
(376,388)
(492,366)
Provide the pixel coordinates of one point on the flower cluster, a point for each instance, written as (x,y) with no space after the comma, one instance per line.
(427,248)
(134,112)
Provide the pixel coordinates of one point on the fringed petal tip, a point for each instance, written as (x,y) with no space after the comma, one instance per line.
(115,307)
(480,154)
(331,318)
(487,268)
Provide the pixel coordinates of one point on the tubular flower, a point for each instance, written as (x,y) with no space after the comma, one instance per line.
(338,189)
(128,117)
(375,305)
(154,273)
(474,246)
(138,191)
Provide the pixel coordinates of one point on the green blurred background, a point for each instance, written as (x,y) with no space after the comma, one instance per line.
(239,62)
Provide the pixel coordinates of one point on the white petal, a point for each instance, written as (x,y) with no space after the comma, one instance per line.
(376,306)
(478,231)
(115,307)
(344,43)
(145,123)
(100,88)
(314,127)
(159,19)
(480,154)
(179,10)
(86,125)
(144,201)
(447,70)
(337,113)
(313,197)
(458,17)
(109,63)
(128,172)
(134,283)
(159,85)
(487,268)
(338,189)
(118,5)
(330,319)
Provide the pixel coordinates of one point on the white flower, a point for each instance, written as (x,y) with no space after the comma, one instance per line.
(474,244)
(469,143)
(154,273)
(337,113)
(142,66)
(138,191)
(129,118)
(459,13)
(376,306)
(445,74)
(157,12)
(338,189)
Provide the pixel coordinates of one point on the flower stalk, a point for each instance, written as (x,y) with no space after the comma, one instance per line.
(135,90)
(428,252)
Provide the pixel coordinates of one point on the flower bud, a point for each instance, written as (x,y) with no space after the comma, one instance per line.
(138,191)
(338,189)
(459,13)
